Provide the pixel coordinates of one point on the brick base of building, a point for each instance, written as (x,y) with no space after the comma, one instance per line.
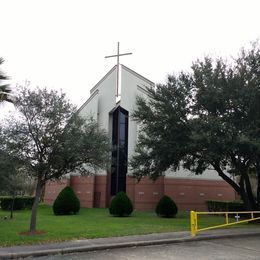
(188,194)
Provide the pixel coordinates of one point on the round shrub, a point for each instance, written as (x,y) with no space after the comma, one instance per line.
(66,203)
(166,207)
(121,205)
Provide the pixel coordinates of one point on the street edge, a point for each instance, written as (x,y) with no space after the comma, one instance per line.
(89,248)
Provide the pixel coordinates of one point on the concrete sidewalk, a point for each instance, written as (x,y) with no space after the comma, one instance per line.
(117,242)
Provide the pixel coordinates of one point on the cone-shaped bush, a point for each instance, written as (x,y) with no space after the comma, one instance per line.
(66,203)
(166,207)
(121,205)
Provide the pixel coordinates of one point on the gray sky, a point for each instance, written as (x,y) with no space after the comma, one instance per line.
(61,44)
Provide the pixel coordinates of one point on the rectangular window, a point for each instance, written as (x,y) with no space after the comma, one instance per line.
(120,150)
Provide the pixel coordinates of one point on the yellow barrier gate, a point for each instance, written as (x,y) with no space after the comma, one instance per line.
(194,219)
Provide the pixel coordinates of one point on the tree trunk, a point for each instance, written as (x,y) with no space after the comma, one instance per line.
(35,206)
(250,195)
(226,178)
(12,206)
(42,194)
(244,195)
(258,184)
(246,186)
(243,192)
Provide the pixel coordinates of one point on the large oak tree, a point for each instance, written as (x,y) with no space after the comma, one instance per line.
(209,117)
(50,140)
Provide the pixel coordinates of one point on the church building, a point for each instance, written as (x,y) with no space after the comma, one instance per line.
(111,103)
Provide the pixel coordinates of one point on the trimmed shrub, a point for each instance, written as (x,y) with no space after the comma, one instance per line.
(121,205)
(19,203)
(166,207)
(216,206)
(66,203)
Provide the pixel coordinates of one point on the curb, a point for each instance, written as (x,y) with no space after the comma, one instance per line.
(80,249)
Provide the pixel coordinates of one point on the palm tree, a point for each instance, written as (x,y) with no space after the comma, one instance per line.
(4,89)
(5,94)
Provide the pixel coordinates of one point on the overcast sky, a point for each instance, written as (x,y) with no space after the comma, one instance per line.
(62,44)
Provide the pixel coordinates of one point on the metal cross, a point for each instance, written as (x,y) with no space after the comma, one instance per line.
(117,71)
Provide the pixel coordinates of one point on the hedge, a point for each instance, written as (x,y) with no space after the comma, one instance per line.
(19,203)
(215,206)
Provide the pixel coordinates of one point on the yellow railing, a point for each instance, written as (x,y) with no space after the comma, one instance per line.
(194,219)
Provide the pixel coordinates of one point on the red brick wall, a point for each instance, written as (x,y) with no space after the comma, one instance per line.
(130,188)
(83,187)
(146,193)
(192,194)
(52,190)
(100,192)
(188,194)
(93,191)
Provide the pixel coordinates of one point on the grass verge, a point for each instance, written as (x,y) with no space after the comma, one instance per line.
(90,223)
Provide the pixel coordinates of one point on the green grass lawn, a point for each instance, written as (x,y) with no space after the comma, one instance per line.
(90,223)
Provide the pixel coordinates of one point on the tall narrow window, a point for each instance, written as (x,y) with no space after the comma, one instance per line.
(120,148)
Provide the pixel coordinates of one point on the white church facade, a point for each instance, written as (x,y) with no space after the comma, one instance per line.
(111,102)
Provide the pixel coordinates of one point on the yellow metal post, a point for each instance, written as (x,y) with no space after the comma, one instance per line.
(226,217)
(193,223)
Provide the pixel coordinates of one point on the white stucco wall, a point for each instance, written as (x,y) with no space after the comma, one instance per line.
(131,87)
(90,107)
(209,174)
(107,99)
(103,100)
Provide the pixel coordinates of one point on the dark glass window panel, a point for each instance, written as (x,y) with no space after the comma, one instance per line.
(122,126)
(119,153)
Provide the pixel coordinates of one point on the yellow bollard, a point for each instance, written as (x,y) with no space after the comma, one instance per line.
(226,217)
(193,223)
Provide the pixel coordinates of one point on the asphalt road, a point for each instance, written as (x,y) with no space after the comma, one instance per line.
(234,248)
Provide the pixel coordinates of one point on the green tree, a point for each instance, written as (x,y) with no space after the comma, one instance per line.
(12,178)
(51,140)
(209,117)
(4,88)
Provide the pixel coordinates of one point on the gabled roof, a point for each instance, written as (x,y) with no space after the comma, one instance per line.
(88,100)
(137,75)
(93,89)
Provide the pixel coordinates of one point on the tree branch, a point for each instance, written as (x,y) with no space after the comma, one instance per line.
(225,177)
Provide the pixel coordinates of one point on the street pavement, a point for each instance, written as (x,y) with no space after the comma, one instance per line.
(233,248)
(87,245)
